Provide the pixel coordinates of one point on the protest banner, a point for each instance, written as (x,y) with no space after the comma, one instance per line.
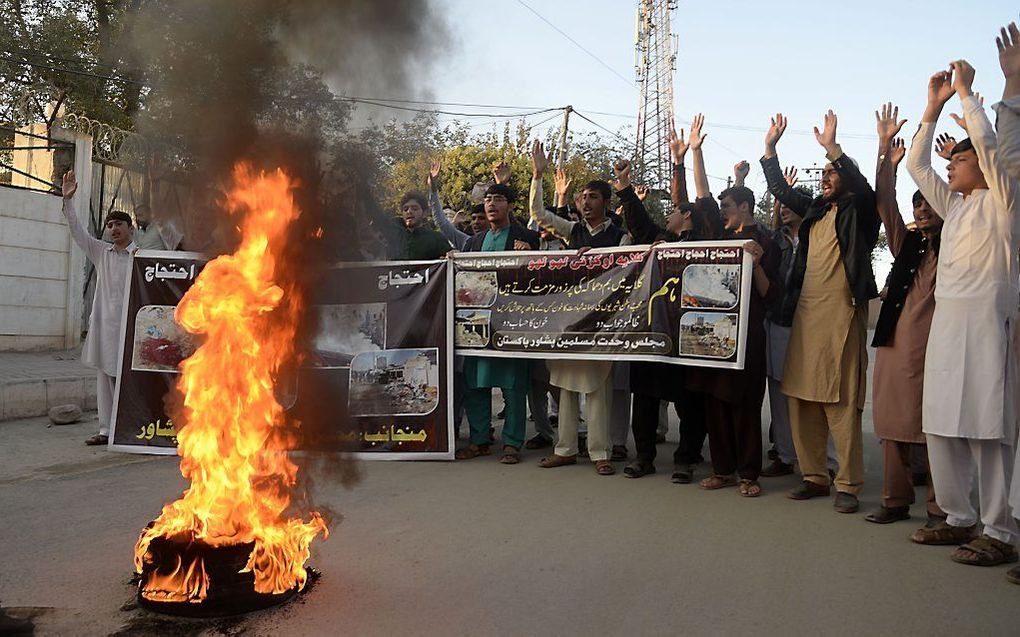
(682,303)
(376,380)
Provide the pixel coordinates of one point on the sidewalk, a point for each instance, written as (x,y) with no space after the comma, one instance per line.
(33,382)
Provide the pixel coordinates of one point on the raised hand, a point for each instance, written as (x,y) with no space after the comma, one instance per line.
(697,139)
(963,77)
(944,144)
(1008,44)
(69,185)
(622,171)
(641,191)
(774,134)
(740,171)
(940,88)
(897,151)
(434,170)
(827,136)
(889,123)
(959,119)
(501,172)
(677,146)
(539,160)
(562,182)
(790,175)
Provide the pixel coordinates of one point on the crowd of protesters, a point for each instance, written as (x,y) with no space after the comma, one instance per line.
(945,383)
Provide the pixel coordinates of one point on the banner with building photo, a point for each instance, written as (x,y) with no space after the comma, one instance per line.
(152,346)
(682,303)
(377,382)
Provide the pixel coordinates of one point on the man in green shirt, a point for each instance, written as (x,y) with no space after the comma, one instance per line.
(422,243)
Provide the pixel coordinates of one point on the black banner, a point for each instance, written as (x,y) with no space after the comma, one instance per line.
(377,381)
(675,303)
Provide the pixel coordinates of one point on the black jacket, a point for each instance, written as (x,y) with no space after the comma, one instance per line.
(901,279)
(517,232)
(857,225)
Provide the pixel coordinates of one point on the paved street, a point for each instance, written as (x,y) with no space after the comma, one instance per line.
(478,548)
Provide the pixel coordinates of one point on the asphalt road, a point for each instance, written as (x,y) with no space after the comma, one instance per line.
(479,548)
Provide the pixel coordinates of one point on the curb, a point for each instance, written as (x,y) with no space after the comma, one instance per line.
(31,397)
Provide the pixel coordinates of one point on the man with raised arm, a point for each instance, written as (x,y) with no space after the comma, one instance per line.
(969,396)
(901,334)
(575,377)
(112,262)
(1008,110)
(652,383)
(827,295)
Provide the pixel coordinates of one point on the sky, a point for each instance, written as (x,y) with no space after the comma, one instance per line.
(738,63)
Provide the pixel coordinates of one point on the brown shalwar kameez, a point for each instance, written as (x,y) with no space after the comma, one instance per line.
(826,364)
(899,362)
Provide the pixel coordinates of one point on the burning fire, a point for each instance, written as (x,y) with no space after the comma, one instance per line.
(234,448)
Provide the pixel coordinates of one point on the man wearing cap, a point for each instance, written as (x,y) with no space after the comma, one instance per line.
(112,262)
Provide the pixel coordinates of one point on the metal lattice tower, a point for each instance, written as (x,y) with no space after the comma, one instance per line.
(655,61)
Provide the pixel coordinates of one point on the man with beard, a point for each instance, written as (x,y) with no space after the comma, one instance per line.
(901,334)
(828,293)
(652,383)
(481,374)
(574,377)
(112,261)
(969,397)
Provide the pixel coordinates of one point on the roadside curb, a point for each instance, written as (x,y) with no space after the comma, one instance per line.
(31,397)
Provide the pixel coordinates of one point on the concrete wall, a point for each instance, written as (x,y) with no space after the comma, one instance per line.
(41,269)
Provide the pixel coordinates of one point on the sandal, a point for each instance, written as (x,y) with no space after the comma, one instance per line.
(98,439)
(1013,575)
(714,482)
(683,474)
(472,451)
(604,468)
(511,455)
(984,551)
(750,488)
(637,469)
(942,534)
(556,460)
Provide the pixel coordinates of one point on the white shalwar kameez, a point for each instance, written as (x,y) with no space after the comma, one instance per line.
(1007,126)
(969,411)
(102,344)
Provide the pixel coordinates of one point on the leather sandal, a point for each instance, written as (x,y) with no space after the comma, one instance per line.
(555,460)
(750,488)
(638,468)
(604,468)
(713,482)
(511,455)
(984,551)
(942,534)
(98,439)
(472,451)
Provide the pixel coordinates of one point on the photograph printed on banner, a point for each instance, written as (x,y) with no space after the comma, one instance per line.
(715,287)
(160,343)
(346,331)
(475,289)
(394,382)
(471,328)
(708,334)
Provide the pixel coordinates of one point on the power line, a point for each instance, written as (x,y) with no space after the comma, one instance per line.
(577,44)
(359,100)
(71,71)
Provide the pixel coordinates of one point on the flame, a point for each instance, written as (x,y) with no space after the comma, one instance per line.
(234,447)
